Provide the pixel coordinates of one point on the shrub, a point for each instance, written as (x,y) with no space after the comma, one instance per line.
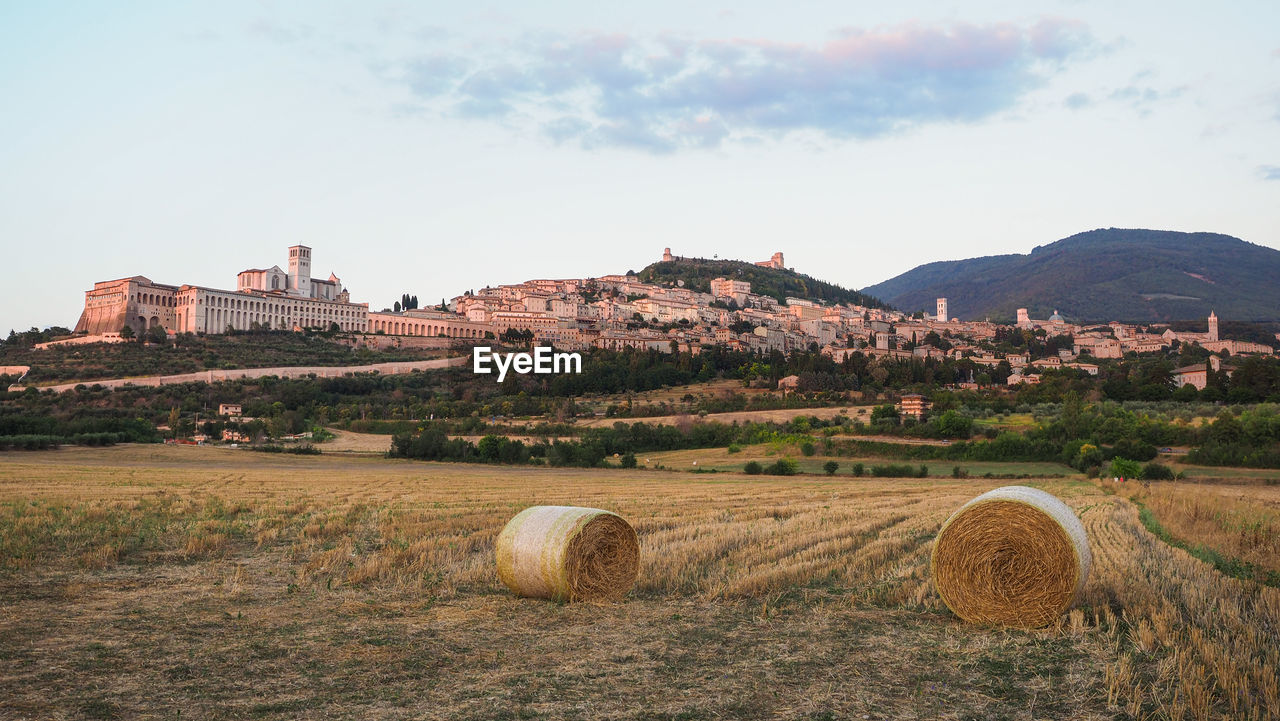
(29,442)
(807,448)
(628,460)
(734,448)
(958,472)
(831,467)
(1157,472)
(753,468)
(1136,450)
(894,470)
(859,469)
(1124,468)
(782,467)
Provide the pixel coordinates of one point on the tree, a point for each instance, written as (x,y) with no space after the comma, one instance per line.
(125,332)
(1226,429)
(887,413)
(831,467)
(157,335)
(953,424)
(395,307)
(174,416)
(1124,468)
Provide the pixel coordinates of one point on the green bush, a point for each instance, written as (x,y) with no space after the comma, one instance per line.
(807,448)
(782,467)
(859,469)
(1124,468)
(1157,472)
(628,460)
(29,442)
(734,448)
(894,470)
(831,467)
(753,468)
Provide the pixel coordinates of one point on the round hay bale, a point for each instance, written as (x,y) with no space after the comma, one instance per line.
(568,553)
(1014,556)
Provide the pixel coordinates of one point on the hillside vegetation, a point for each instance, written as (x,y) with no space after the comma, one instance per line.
(1102,275)
(697,274)
(189,353)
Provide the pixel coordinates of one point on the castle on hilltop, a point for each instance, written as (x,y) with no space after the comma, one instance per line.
(774,262)
(264,298)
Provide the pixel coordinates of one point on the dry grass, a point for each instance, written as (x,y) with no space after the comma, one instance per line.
(1240,521)
(1188,642)
(139,582)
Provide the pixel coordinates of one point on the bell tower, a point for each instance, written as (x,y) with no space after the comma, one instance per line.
(300,270)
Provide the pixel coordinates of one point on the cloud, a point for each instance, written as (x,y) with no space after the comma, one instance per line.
(280,33)
(1269,172)
(1143,98)
(665,93)
(1077,101)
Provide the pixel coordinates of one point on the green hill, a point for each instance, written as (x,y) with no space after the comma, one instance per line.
(697,274)
(1103,275)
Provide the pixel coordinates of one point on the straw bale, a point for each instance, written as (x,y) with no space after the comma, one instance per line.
(1014,556)
(567,553)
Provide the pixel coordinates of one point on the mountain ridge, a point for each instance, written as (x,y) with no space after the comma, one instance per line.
(1107,274)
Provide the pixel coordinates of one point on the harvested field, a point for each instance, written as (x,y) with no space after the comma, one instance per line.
(1237,520)
(345,441)
(140,582)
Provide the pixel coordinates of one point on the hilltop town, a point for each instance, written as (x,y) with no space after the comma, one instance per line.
(621,311)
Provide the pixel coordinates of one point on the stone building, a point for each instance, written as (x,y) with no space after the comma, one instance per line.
(914,404)
(267,297)
(775,261)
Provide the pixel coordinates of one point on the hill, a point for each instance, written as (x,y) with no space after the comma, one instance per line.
(1102,275)
(697,274)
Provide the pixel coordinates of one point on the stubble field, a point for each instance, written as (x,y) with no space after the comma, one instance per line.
(160,582)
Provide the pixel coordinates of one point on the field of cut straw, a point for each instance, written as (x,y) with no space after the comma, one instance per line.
(194,583)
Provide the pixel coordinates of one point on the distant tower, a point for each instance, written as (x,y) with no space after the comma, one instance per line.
(666,255)
(942,310)
(882,341)
(776,260)
(1023,318)
(1213,326)
(300,270)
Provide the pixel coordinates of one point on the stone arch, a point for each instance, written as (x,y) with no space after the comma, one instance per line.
(155,321)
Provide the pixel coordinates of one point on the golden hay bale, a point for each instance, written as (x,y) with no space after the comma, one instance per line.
(1014,556)
(568,553)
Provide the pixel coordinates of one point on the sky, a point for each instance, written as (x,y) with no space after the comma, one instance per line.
(432,148)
